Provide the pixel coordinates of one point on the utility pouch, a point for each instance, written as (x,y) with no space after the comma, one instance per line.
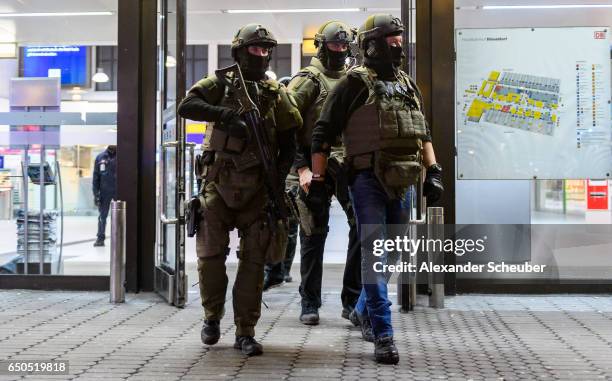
(238,188)
(397,173)
(294,214)
(277,245)
(222,141)
(203,163)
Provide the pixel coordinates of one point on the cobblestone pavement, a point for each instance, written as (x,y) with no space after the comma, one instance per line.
(475,337)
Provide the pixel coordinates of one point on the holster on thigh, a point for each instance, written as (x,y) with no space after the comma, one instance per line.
(260,244)
(311,224)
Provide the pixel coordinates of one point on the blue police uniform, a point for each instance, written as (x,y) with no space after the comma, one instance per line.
(104,186)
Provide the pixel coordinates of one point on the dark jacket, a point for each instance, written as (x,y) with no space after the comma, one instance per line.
(105,175)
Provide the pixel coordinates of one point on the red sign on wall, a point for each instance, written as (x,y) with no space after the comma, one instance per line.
(600,35)
(597,195)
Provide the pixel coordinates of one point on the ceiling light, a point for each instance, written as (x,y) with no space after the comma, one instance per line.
(557,6)
(100,76)
(295,10)
(55,14)
(8,50)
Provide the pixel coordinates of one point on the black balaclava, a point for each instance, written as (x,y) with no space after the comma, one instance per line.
(334,61)
(253,67)
(384,59)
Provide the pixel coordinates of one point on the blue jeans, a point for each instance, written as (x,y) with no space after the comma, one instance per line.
(374,211)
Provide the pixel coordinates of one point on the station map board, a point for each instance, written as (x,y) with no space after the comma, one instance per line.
(534,103)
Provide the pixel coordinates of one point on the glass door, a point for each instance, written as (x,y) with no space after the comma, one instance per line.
(170,278)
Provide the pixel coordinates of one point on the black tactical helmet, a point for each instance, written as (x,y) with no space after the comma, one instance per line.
(377,54)
(252,34)
(378,26)
(333,31)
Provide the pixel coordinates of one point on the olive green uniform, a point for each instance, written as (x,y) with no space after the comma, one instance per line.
(310,87)
(233,196)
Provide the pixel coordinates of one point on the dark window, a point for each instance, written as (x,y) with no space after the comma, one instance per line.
(196,64)
(280,64)
(106,59)
(281,61)
(224,55)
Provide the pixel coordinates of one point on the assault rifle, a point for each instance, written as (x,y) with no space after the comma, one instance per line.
(231,77)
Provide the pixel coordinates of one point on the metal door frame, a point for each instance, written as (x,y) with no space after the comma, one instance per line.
(171,283)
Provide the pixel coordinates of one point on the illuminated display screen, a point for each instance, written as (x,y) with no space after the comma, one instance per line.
(71,62)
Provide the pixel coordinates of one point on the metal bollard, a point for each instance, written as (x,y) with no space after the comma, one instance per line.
(435,230)
(117,262)
(413,285)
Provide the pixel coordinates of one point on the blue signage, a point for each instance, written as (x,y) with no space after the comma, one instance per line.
(70,60)
(1,162)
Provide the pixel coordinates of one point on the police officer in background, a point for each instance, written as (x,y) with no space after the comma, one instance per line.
(277,273)
(104,187)
(233,194)
(310,87)
(377,109)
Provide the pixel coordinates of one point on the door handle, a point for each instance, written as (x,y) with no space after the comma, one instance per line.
(168,221)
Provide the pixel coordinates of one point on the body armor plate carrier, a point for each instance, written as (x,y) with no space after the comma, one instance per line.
(387,132)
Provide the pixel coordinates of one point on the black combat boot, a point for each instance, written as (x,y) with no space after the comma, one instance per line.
(248,345)
(271,282)
(364,324)
(99,242)
(211,332)
(354,318)
(385,351)
(309,315)
(346,312)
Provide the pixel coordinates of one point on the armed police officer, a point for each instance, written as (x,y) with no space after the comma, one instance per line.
(104,186)
(275,274)
(310,87)
(377,109)
(235,191)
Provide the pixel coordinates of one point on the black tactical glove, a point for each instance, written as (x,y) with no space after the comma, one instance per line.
(232,124)
(317,199)
(433,187)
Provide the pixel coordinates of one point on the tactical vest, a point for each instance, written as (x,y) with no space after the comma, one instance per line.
(325,84)
(239,176)
(387,132)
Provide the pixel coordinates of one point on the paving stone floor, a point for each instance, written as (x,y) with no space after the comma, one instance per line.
(500,337)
